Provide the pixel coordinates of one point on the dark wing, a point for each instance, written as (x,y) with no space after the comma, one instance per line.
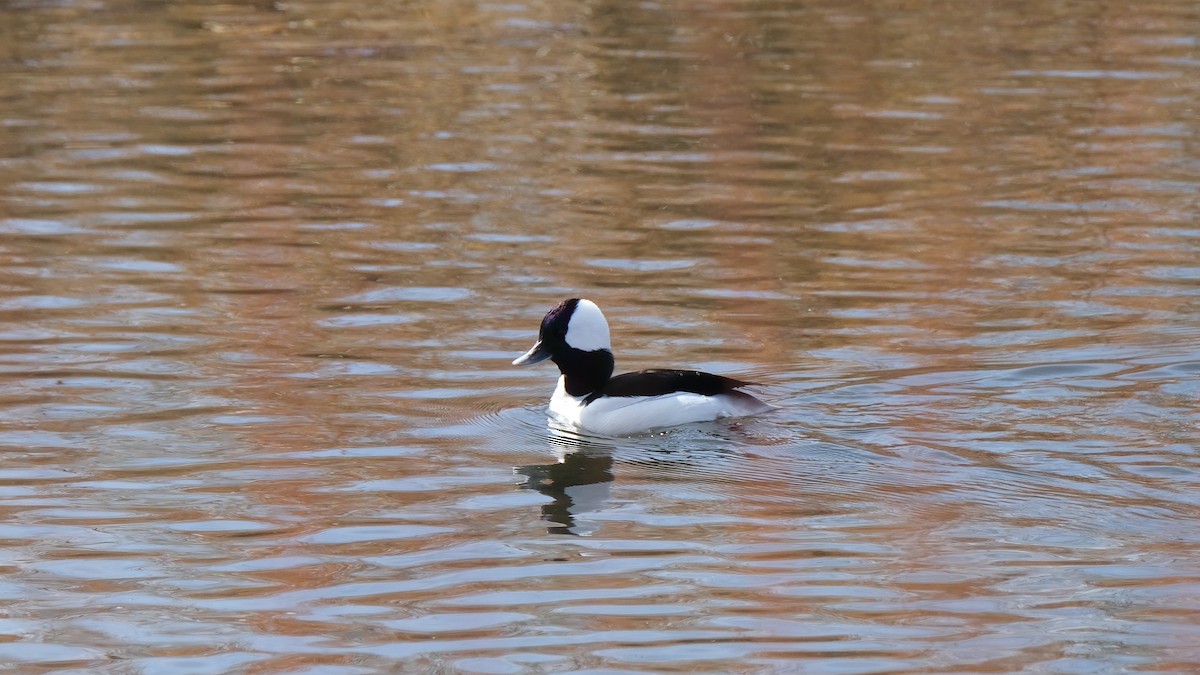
(660,381)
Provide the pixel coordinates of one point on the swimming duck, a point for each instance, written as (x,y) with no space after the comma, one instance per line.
(574,335)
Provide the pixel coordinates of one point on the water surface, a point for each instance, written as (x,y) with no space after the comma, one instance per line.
(263,267)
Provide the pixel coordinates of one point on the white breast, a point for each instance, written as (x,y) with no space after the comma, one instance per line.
(624,415)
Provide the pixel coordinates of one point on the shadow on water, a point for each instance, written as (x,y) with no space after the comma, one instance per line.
(718,458)
(579,483)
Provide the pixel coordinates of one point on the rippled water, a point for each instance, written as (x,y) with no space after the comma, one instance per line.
(263,268)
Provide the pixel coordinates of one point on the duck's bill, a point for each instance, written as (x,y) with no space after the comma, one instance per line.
(536,354)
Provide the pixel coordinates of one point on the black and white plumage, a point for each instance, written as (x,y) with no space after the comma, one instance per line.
(574,335)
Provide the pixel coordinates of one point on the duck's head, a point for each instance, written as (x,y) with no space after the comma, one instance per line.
(574,325)
(574,335)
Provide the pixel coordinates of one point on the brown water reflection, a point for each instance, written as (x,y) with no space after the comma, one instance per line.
(263,267)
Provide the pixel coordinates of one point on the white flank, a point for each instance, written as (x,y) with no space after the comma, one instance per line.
(587,329)
(625,415)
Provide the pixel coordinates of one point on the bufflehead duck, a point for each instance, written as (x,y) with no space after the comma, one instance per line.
(574,335)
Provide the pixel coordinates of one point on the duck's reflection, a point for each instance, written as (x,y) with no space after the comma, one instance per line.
(578,483)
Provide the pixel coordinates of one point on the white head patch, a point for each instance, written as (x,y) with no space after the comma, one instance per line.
(588,330)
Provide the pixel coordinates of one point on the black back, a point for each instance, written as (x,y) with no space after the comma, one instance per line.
(665,381)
